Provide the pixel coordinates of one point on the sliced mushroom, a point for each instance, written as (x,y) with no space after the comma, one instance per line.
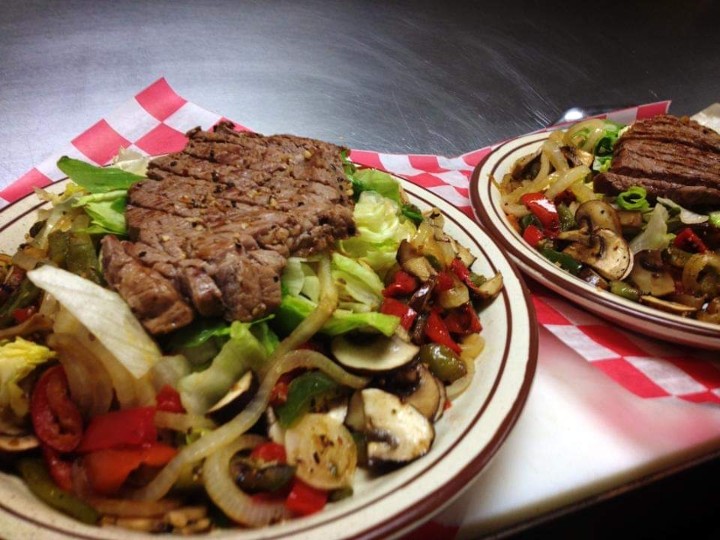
(429,396)
(597,214)
(605,251)
(631,221)
(18,443)
(235,400)
(670,307)
(527,167)
(372,352)
(577,157)
(650,276)
(413,262)
(396,432)
(488,290)
(322,450)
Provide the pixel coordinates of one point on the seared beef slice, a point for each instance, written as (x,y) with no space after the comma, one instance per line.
(670,157)
(212,227)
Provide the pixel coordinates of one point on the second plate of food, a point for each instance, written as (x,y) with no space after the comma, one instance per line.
(497,216)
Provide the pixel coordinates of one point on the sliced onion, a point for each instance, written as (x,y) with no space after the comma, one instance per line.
(225,434)
(565,180)
(90,384)
(36,323)
(223,491)
(182,422)
(555,155)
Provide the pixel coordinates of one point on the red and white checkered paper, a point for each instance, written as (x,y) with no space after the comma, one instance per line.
(154,122)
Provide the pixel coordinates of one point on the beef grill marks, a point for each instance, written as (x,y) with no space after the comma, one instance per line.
(212,227)
(670,157)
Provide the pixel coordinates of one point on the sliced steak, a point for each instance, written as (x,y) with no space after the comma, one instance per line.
(670,157)
(150,296)
(215,223)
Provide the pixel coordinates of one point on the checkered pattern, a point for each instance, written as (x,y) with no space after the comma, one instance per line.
(154,122)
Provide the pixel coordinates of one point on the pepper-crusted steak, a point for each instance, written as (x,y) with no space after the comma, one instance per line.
(212,227)
(670,157)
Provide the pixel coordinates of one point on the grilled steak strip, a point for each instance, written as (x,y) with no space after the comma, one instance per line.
(216,222)
(670,157)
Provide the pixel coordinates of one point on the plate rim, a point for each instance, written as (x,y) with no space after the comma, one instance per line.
(451,488)
(674,327)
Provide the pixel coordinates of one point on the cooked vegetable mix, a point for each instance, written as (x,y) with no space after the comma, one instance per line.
(637,241)
(265,420)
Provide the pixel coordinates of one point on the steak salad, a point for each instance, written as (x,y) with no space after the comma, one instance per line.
(630,209)
(224,335)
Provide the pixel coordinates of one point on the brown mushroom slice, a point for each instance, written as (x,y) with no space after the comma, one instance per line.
(527,167)
(396,432)
(597,214)
(577,157)
(669,307)
(322,450)
(429,396)
(372,352)
(235,400)
(605,252)
(18,443)
(413,262)
(650,276)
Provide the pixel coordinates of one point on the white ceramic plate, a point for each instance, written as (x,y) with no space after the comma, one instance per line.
(468,435)
(627,314)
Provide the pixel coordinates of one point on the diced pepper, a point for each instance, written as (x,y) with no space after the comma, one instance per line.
(60,470)
(129,427)
(563,259)
(470,279)
(625,290)
(37,479)
(269,452)
(23,314)
(23,296)
(56,419)
(108,469)
(463,320)
(567,218)
(545,210)
(168,399)
(303,391)
(391,306)
(402,284)
(533,236)
(437,332)
(689,241)
(304,500)
(444,282)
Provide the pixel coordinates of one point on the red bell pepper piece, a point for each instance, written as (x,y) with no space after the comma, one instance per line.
(463,320)
(532,235)
(56,419)
(402,284)
(168,399)
(444,282)
(391,306)
(437,332)
(304,499)
(464,274)
(689,241)
(543,209)
(269,452)
(60,470)
(108,469)
(23,314)
(128,427)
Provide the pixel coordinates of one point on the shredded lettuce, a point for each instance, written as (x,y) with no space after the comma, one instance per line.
(18,359)
(380,229)
(655,235)
(686,216)
(106,211)
(249,346)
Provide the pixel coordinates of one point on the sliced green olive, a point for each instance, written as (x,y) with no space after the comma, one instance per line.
(443,362)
